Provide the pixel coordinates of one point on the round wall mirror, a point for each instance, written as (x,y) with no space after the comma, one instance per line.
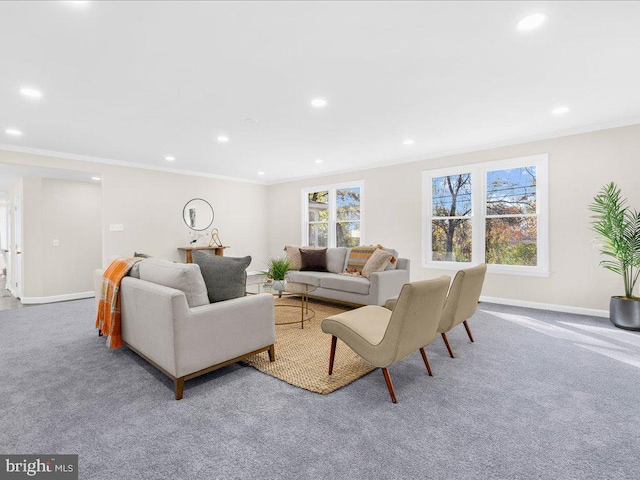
(198,214)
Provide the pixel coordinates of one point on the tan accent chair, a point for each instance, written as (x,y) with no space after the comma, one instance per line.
(382,337)
(462,301)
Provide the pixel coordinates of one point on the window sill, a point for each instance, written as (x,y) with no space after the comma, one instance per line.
(492,269)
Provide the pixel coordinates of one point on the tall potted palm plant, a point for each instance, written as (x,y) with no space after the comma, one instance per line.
(619,228)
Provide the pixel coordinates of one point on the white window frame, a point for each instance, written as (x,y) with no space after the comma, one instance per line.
(478,215)
(332,188)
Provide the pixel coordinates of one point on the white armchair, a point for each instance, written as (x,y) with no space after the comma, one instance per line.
(184,342)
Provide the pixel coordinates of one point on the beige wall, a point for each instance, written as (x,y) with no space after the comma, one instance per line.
(71,214)
(149,204)
(578,166)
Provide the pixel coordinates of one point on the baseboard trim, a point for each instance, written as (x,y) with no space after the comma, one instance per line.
(547,306)
(56,298)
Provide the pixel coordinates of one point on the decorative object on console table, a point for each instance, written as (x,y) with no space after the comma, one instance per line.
(619,228)
(215,238)
(219,251)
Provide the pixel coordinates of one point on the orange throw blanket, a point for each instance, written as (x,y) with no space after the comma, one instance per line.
(108,319)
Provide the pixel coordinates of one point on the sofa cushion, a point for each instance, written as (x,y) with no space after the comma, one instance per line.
(181,276)
(293,255)
(335,259)
(225,277)
(311,278)
(358,257)
(313,260)
(346,283)
(377,262)
(393,264)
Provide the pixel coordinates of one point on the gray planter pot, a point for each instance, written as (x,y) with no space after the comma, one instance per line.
(625,313)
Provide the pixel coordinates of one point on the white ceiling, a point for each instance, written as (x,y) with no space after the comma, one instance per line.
(136,81)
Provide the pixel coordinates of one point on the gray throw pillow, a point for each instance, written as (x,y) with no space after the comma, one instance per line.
(225,277)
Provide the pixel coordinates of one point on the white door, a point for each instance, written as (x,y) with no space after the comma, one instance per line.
(17,221)
(5,238)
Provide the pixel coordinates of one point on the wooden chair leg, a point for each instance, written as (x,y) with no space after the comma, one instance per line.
(446,342)
(426,361)
(332,355)
(179,386)
(466,325)
(272,353)
(387,379)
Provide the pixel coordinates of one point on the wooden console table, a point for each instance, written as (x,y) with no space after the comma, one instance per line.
(219,251)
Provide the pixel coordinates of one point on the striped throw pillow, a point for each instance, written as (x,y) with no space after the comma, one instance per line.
(358,258)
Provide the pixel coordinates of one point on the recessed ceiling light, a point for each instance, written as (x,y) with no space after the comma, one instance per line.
(408,141)
(560,110)
(530,22)
(13,131)
(319,160)
(318,103)
(97,179)
(77,2)
(169,158)
(31,92)
(260,173)
(223,139)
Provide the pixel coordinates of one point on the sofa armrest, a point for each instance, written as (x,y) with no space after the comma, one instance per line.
(147,319)
(215,333)
(387,284)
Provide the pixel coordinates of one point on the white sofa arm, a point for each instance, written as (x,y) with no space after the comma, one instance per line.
(387,284)
(215,333)
(147,320)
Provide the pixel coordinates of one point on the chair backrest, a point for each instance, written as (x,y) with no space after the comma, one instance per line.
(464,294)
(416,316)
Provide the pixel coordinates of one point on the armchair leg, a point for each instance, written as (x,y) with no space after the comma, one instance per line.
(426,361)
(446,342)
(272,353)
(387,379)
(332,355)
(179,387)
(466,326)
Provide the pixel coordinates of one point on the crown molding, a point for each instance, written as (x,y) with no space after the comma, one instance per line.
(120,163)
(473,148)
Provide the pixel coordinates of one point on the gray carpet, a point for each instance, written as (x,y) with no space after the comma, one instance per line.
(539,395)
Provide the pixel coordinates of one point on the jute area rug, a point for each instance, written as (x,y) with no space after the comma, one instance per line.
(302,355)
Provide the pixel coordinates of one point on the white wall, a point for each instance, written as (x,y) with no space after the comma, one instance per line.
(149,204)
(578,166)
(72,215)
(70,212)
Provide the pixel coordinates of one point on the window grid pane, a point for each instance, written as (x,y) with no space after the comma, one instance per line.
(511,241)
(348,234)
(451,196)
(451,240)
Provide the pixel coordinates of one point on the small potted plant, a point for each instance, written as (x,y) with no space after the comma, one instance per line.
(277,269)
(619,228)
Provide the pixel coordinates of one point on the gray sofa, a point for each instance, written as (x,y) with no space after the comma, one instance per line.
(168,321)
(334,285)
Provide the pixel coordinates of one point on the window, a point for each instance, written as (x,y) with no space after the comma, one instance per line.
(492,212)
(332,215)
